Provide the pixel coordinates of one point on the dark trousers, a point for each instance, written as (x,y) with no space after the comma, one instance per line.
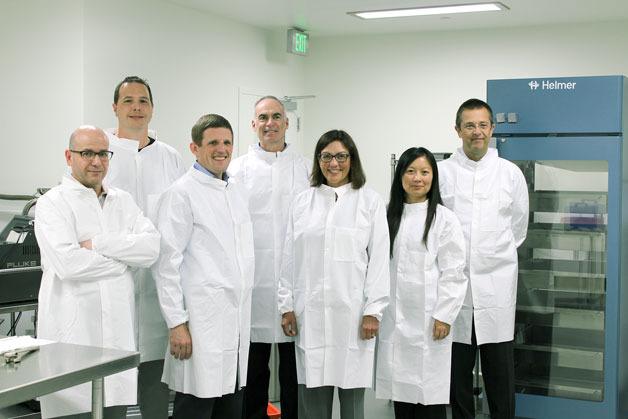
(187,406)
(258,377)
(317,402)
(419,411)
(153,396)
(498,374)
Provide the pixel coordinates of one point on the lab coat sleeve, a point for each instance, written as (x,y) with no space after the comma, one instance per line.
(285,288)
(56,237)
(235,170)
(377,283)
(139,247)
(520,208)
(451,259)
(181,167)
(175,222)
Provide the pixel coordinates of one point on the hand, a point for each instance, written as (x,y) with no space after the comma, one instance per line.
(289,324)
(441,330)
(87,244)
(180,342)
(369,328)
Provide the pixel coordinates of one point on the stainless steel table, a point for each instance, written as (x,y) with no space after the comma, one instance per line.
(16,307)
(61,365)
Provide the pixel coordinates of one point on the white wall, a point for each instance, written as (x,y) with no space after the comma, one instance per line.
(41,84)
(391,92)
(195,63)
(61,61)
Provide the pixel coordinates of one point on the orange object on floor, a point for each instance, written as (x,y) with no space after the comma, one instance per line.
(273,412)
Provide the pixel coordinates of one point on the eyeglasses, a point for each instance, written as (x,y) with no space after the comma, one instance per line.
(90,154)
(327,157)
(470,126)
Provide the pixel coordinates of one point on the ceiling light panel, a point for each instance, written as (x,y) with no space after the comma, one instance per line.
(431,10)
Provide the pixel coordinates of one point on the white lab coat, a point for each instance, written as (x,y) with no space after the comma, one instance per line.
(335,271)
(272,181)
(490,198)
(86,296)
(145,175)
(204,277)
(426,283)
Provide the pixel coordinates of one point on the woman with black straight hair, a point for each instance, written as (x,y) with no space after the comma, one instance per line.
(427,288)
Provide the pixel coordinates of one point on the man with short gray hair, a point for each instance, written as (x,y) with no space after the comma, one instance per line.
(273,172)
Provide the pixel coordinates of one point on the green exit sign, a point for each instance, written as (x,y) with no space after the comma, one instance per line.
(298,42)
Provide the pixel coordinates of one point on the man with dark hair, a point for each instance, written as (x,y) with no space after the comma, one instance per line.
(91,238)
(144,167)
(273,173)
(204,277)
(132,79)
(489,196)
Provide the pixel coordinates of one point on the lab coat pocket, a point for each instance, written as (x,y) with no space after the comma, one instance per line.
(489,210)
(431,342)
(412,306)
(211,316)
(484,292)
(345,244)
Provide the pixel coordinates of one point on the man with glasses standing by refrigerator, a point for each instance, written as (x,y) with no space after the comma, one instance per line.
(489,196)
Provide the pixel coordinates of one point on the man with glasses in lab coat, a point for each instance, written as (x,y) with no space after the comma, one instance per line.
(91,238)
(489,196)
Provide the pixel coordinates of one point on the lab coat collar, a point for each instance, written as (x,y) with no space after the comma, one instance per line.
(270,156)
(200,168)
(489,158)
(68,181)
(207,180)
(339,191)
(127,142)
(416,207)
(123,143)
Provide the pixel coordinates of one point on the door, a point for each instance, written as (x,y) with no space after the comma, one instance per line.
(246,112)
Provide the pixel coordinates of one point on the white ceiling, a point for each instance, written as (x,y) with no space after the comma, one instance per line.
(329,17)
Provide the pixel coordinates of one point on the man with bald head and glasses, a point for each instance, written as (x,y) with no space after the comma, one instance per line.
(91,238)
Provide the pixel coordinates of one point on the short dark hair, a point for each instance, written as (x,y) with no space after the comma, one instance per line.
(210,120)
(356,174)
(398,194)
(472,104)
(132,79)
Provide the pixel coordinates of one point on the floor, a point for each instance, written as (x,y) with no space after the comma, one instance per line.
(377,408)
